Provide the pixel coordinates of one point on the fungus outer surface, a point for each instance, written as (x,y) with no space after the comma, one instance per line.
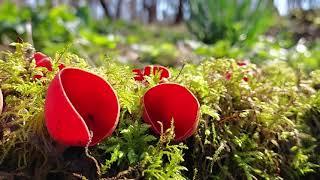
(78,102)
(167,102)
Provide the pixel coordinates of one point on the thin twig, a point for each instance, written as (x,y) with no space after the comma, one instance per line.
(63,52)
(12,175)
(180,72)
(91,157)
(234,116)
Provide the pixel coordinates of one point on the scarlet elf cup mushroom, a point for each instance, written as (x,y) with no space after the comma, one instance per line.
(42,60)
(78,102)
(171,102)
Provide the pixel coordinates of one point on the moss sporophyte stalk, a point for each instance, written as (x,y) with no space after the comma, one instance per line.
(187,123)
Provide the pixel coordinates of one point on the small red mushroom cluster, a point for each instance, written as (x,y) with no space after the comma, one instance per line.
(43,60)
(161,71)
(245,78)
(81,108)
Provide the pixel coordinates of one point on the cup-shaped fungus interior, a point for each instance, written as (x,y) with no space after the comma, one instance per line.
(167,102)
(94,99)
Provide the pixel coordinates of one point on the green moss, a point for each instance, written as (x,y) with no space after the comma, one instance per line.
(258,128)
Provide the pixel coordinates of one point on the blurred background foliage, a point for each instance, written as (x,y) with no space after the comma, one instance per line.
(237,21)
(141,32)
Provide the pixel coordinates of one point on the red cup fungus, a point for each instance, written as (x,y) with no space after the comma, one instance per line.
(42,60)
(242,63)
(61,66)
(155,69)
(169,101)
(37,76)
(138,75)
(78,102)
(164,72)
(228,75)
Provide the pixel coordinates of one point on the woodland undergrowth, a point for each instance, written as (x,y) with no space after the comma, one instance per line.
(256,123)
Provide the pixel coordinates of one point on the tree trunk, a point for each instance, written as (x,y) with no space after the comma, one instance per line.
(74,3)
(152,9)
(105,5)
(118,12)
(179,15)
(133,10)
